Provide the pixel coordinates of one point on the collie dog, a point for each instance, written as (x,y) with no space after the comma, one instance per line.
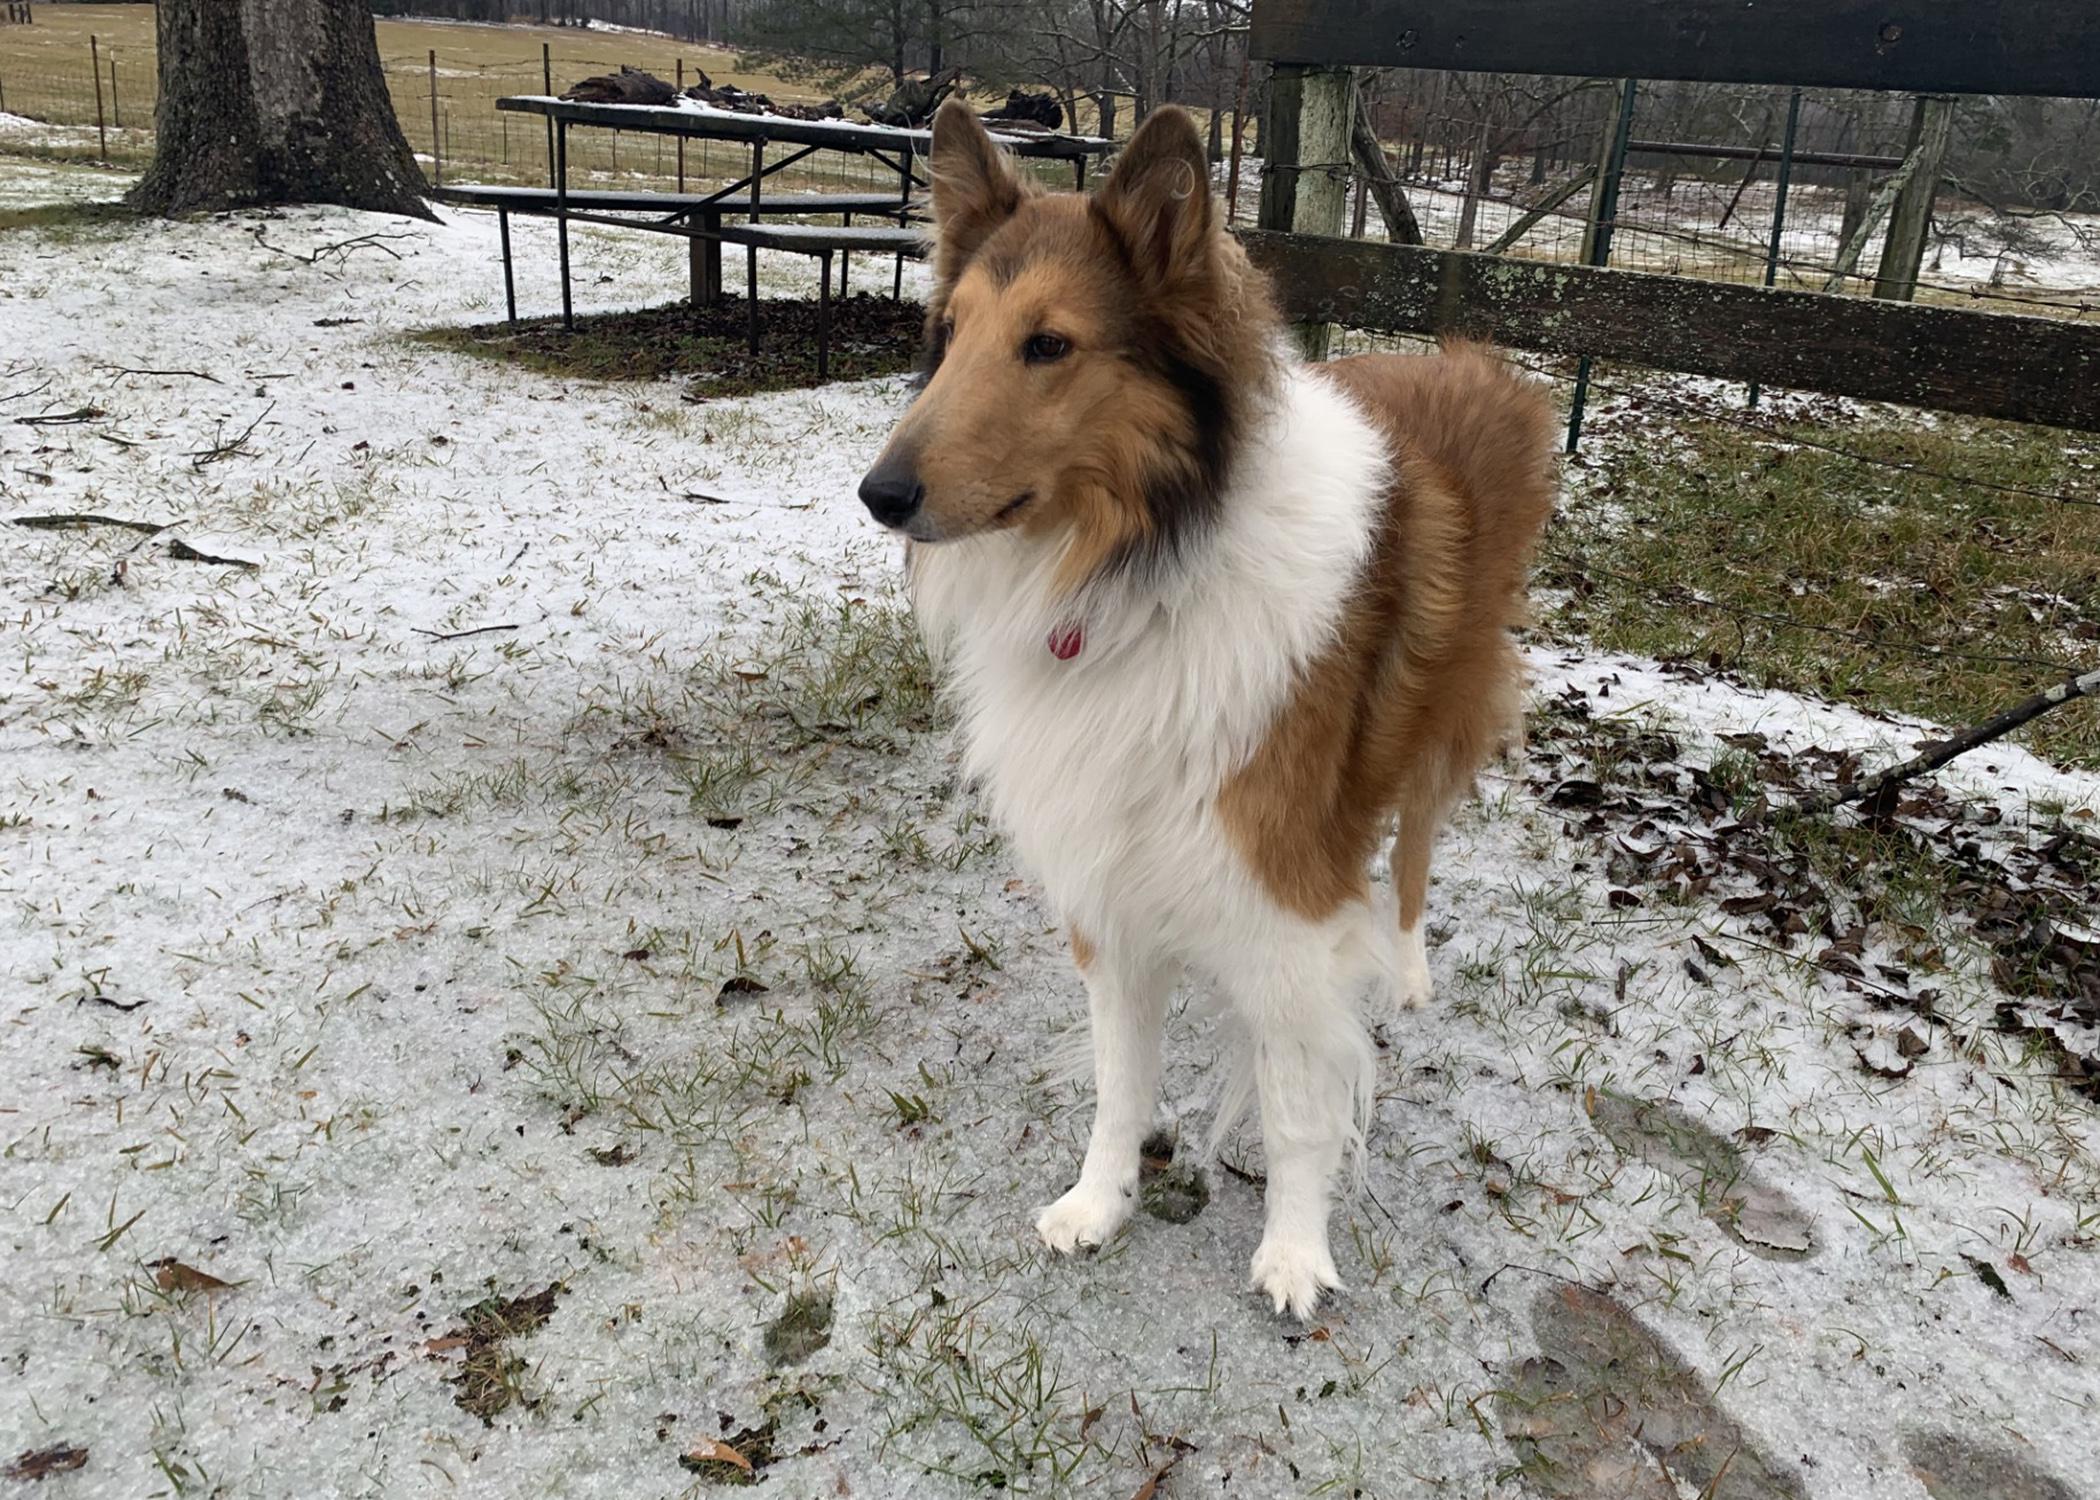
(1212,621)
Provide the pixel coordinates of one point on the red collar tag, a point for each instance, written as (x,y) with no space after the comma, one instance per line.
(1066,641)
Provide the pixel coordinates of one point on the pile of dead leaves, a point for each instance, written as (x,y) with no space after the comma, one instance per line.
(1672,830)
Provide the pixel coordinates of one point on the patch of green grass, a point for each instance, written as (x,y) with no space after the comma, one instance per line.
(1810,570)
(70,223)
(870,336)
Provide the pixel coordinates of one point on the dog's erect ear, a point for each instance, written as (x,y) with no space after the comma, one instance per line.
(1158,197)
(975,188)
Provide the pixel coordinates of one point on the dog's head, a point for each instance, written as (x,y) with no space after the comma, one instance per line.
(1090,359)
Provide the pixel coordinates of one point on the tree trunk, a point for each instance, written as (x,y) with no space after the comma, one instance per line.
(1369,155)
(274,101)
(1479,180)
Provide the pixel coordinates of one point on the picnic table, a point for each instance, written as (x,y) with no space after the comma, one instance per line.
(734,214)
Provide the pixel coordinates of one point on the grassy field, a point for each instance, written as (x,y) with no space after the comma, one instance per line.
(1931,566)
(46,73)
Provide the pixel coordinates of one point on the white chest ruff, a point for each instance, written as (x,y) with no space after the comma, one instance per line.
(1105,768)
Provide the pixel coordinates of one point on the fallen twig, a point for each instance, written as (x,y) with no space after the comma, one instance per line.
(226,450)
(341,250)
(1881,785)
(460,635)
(86,518)
(61,418)
(33,390)
(183,551)
(193,374)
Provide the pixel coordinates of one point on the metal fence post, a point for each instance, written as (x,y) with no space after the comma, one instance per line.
(681,139)
(547,87)
(437,148)
(1786,177)
(116,107)
(1596,248)
(95,67)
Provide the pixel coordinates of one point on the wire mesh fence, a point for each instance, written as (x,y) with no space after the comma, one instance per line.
(444,96)
(1496,163)
(1514,165)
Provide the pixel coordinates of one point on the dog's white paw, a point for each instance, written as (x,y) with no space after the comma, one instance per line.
(1292,1272)
(1412,986)
(1085,1217)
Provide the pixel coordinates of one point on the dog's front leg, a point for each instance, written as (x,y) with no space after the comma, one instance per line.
(1127,1004)
(1314,1069)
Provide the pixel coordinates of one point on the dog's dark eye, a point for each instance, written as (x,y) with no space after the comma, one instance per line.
(1043,348)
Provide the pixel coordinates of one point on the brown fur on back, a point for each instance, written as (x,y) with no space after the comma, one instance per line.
(1423,684)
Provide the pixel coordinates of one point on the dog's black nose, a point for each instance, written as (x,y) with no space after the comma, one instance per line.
(891,491)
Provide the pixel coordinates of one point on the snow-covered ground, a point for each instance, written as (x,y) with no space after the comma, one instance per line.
(543,868)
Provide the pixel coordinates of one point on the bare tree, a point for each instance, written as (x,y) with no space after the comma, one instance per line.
(274,101)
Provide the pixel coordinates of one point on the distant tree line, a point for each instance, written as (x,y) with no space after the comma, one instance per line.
(692,20)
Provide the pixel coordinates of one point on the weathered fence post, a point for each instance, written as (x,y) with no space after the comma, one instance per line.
(1305,176)
(1903,253)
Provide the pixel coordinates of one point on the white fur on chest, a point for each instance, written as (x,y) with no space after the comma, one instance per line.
(1105,768)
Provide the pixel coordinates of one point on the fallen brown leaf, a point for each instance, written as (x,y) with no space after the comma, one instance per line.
(60,1458)
(715,1451)
(172,1275)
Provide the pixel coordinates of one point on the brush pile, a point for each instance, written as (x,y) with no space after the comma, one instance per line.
(744,102)
(1029,111)
(628,86)
(915,100)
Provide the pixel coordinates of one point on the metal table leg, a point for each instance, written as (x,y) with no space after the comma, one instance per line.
(824,316)
(758,167)
(561,218)
(510,289)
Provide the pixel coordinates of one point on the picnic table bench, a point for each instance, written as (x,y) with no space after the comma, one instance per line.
(703,212)
(705,219)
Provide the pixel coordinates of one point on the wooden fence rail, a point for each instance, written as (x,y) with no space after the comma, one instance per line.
(2041,47)
(2009,366)
(2023,369)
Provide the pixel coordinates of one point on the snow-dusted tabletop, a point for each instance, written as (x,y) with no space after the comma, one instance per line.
(690,117)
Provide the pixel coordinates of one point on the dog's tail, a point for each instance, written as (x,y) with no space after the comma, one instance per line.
(1489,432)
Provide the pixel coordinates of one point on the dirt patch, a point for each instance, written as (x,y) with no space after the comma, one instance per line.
(1171,1190)
(1955,1468)
(803,1327)
(1606,1409)
(707,345)
(491,1378)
